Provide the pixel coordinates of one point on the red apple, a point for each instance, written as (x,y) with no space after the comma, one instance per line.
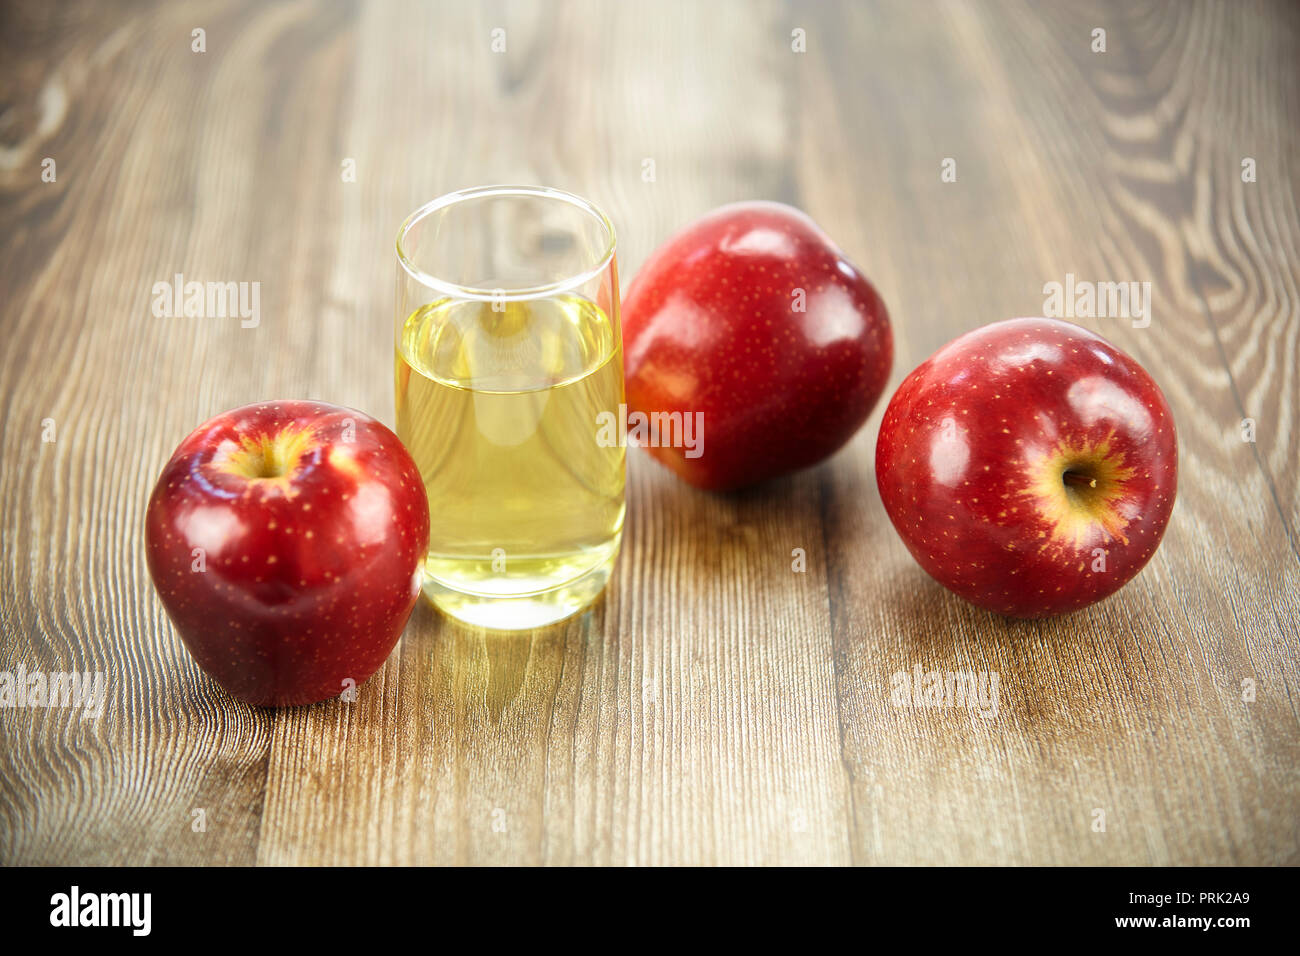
(1030,466)
(286,540)
(753,318)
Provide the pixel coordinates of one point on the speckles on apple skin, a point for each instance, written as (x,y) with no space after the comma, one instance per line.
(1014,380)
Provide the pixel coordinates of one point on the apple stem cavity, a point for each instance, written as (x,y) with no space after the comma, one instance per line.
(1075,479)
(270,456)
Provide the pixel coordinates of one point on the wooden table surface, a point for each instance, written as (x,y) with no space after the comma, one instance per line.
(715,706)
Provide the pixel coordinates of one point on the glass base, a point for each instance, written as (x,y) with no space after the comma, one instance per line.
(522,611)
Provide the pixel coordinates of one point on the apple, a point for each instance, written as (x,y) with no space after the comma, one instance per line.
(752,319)
(1030,466)
(286,540)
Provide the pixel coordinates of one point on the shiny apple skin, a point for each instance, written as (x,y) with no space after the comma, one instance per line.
(709,326)
(973,500)
(307,584)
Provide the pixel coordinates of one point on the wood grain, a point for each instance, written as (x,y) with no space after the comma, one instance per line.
(715,706)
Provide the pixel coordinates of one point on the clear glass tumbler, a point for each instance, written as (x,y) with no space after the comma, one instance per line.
(509,388)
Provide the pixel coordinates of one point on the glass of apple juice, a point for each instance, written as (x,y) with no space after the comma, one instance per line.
(509,370)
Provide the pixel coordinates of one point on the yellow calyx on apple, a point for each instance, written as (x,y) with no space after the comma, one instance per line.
(271,456)
(1079,487)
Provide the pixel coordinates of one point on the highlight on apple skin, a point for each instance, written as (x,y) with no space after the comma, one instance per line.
(286,541)
(1029,466)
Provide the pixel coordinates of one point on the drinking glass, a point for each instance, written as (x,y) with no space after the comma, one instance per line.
(509,387)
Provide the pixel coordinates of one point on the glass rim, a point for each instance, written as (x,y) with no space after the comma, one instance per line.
(459,291)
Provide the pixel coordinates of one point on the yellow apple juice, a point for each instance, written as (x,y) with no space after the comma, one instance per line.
(500,404)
